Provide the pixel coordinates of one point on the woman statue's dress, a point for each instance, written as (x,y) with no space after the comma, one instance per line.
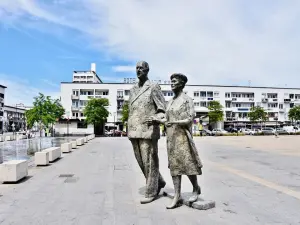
(182,153)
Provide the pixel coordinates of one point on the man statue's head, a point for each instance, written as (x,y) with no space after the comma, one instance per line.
(142,69)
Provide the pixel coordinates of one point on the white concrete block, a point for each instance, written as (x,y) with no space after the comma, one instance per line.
(7,138)
(41,158)
(13,171)
(1,138)
(66,147)
(54,153)
(79,141)
(74,144)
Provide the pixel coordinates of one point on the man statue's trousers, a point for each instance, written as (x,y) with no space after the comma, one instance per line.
(146,154)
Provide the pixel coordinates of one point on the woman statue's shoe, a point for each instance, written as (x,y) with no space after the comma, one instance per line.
(147,200)
(196,192)
(176,201)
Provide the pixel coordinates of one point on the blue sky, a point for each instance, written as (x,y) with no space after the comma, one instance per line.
(213,42)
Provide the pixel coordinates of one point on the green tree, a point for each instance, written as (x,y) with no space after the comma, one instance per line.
(294,114)
(215,113)
(45,111)
(95,111)
(125,112)
(258,114)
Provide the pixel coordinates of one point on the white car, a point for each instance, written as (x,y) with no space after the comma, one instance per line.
(291,129)
(219,131)
(108,133)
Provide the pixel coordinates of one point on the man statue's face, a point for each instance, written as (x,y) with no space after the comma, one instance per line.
(141,70)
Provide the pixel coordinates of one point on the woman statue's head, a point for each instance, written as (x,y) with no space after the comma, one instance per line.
(178,81)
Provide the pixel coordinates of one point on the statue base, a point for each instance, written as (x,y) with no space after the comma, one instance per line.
(200,204)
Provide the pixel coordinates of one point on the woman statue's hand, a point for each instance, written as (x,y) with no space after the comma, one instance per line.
(168,124)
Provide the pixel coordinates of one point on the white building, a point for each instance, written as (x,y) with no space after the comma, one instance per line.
(2,95)
(236,100)
(14,118)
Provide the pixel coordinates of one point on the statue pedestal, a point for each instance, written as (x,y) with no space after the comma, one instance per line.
(200,204)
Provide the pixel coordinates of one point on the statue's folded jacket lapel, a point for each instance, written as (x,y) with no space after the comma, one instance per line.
(145,87)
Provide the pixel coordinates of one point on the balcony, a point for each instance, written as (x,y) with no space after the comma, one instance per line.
(75,97)
(75,108)
(287,100)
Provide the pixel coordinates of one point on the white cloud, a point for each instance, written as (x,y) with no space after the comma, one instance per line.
(21,91)
(121,69)
(48,82)
(213,42)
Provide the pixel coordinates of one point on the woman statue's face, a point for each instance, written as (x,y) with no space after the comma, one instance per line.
(176,84)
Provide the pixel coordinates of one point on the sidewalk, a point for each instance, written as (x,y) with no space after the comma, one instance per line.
(107,185)
(106,188)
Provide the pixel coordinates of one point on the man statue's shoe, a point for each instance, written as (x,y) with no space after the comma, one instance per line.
(147,200)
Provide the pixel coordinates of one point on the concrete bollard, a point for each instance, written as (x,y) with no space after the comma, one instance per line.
(66,147)
(54,153)
(13,171)
(7,138)
(41,158)
(80,141)
(74,144)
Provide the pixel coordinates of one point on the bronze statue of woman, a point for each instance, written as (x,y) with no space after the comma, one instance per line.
(182,153)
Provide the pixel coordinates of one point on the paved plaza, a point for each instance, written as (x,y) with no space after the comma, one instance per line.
(254,180)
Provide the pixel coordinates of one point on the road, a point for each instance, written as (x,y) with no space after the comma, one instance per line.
(251,183)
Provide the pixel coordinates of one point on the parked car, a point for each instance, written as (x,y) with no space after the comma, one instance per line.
(268,130)
(108,133)
(218,131)
(281,131)
(231,130)
(291,129)
(254,131)
(207,132)
(246,131)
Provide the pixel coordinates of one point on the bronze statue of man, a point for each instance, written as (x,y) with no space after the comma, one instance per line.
(146,105)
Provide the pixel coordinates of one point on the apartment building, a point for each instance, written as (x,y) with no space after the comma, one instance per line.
(14,118)
(2,94)
(236,101)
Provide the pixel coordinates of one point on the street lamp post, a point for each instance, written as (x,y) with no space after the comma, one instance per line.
(15,118)
(114,122)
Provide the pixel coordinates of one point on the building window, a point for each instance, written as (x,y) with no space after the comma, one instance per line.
(196,103)
(272,95)
(202,93)
(127,92)
(210,94)
(227,95)
(272,105)
(203,104)
(81,124)
(81,114)
(227,104)
(216,94)
(280,106)
(119,93)
(196,94)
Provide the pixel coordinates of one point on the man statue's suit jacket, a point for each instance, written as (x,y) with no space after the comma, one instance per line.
(144,102)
